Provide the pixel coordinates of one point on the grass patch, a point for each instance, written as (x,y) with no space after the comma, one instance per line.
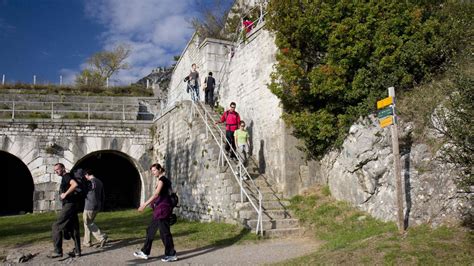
(44,89)
(16,231)
(353,237)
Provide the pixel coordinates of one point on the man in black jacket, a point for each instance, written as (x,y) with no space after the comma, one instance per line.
(68,216)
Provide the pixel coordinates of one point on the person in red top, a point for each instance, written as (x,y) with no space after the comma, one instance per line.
(232,120)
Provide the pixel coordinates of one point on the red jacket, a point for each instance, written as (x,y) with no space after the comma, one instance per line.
(231,119)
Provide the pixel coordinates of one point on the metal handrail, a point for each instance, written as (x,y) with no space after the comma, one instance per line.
(53,109)
(242,171)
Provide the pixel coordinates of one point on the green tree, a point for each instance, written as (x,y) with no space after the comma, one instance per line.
(336,58)
(103,65)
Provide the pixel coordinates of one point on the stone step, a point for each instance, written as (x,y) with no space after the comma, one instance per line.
(281,233)
(267,214)
(268,196)
(266,205)
(274,224)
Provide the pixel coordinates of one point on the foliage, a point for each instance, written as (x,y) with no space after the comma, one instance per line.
(103,65)
(337,58)
(353,237)
(454,121)
(211,19)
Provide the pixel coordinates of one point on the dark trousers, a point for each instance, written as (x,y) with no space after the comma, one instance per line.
(67,220)
(229,135)
(165,234)
(209,98)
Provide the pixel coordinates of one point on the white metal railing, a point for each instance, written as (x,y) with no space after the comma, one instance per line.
(72,110)
(241,172)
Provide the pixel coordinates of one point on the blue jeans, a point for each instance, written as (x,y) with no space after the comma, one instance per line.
(195,93)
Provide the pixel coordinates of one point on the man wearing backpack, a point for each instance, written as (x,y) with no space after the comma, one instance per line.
(68,216)
(93,204)
(232,120)
(209,85)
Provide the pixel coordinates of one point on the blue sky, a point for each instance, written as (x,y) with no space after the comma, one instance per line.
(49,38)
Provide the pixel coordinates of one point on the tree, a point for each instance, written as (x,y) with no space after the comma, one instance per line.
(336,58)
(103,65)
(212,20)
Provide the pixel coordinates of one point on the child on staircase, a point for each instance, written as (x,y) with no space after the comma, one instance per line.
(241,136)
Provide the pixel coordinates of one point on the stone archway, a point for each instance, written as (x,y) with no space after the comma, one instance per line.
(17,186)
(122,181)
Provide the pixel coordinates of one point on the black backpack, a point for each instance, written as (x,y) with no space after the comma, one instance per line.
(174,199)
(81,190)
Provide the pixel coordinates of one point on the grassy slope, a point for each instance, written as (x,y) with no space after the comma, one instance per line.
(16,231)
(353,237)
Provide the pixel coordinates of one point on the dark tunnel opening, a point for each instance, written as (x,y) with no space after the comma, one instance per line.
(17,186)
(120,177)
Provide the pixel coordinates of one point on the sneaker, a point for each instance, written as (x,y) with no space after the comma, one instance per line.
(103,241)
(87,245)
(169,258)
(74,253)
(54,255)
(140,254)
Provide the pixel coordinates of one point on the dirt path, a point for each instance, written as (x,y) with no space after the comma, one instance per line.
(120,252)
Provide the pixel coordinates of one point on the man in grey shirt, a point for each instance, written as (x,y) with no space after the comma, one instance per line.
(93,204)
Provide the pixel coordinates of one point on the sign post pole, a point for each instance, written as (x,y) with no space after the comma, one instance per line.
(397,165)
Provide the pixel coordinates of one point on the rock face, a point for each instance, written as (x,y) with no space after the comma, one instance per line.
(362,173)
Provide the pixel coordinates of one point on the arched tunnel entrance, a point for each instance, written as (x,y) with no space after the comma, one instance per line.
(119,175)
(17,186)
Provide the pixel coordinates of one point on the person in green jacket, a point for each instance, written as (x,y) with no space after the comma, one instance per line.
(241,136)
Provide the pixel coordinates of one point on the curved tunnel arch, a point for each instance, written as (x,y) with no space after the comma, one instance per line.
(120,176)
(17,186)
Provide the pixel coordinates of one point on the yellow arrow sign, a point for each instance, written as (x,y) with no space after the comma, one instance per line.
(387,121)
(384,102)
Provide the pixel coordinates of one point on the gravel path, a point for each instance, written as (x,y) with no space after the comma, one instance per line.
(120,252)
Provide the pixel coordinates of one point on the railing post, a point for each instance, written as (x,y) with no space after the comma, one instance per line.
(88,111)
(207,130)
(52,110)
(13,110)
(3,79)
(241,185)
(123,112)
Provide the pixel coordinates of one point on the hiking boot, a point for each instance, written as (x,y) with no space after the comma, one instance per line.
(169,258)
(103,242)
(74,253)
(54,255)
(140,254)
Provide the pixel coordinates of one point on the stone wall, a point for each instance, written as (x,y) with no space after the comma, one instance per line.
(362,173)
(190,158)
(209,55)
(271,142)
(41,144)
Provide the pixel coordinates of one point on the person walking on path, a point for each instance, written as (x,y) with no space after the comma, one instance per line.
(232,120)
(209,85)
(161,203)
(93,204)
(193,82)
(242,141)
(67,218)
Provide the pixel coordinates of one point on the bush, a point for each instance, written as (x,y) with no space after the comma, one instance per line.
(337,59)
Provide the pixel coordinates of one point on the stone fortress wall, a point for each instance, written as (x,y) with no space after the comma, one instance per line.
(360,173)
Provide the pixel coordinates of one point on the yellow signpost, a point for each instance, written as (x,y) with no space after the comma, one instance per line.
(387,118)
(384,102)
(387,121)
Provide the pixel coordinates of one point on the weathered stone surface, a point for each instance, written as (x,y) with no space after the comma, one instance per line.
(362,173)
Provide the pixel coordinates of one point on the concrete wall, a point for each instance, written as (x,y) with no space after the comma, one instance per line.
(41,144)
(190,158)
(243,79)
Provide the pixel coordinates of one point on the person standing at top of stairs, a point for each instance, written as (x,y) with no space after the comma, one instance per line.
(232,120)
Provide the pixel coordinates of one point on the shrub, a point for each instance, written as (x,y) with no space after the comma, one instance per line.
(336,59)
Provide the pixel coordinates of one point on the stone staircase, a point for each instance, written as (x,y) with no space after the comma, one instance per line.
(278,221)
